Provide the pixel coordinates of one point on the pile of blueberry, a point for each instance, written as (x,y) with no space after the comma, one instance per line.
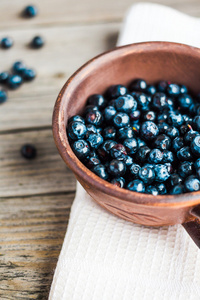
(145,138)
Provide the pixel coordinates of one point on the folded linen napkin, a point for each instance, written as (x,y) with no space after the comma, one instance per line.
(106,258)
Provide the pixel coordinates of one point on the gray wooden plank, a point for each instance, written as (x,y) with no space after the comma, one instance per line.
(66,12)
(46,173)
(66,49)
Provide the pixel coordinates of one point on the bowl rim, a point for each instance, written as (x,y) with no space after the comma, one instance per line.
(87,176)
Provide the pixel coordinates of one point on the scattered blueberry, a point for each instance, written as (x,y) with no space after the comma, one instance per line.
(6,43)
(30,11)
(28,74)
(4,77)
(37,42)
(14,81)
(28,151)
(3,96)
(18,67)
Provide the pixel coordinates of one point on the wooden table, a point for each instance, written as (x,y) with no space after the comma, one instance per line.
(36,195)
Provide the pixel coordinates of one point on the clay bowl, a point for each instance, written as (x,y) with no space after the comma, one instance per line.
(152,61)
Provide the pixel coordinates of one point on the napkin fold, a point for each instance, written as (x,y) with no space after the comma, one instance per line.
(107,258)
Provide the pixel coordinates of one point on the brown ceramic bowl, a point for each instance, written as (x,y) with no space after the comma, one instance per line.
(152,61)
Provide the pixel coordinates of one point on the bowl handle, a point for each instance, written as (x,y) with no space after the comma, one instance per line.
(193,227)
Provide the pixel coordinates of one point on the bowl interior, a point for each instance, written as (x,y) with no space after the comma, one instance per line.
(152,61)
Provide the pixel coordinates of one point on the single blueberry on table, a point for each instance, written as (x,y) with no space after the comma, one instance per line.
(30,11)
(136,186)
(161,173)
(94,117)
(177,189)
(149,130)
(28,74)
(28,151)
(4,77)
(152,190)
(192,184)
(95,140)
(81,148)
(117,167)
(109,133)
(146,174)
(97,100)
(131,145)
(115,91)
(100,170)
(14,81)
(155,156)
(118,151)
(109,113)
(162,142)
(6,43)
(126,104)
(125,133)
(121,119)
(18,67)
(138,85)
(119,181)
(76,118)
(37,42)
(3,96)
(185,169)
(76,130)
(134,170)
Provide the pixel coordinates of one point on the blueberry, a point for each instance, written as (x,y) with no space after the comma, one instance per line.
(118,151)
(161,188)
(141,142)
(149,130)
(175,179)
(94,117)
(131,145)
(177,144)
(183,89)
(135,115)
(198,173)
(109,133)
(4,77)
(152,190)
(14,81)
(115,91)
(161,173)
(192,184)
(121,120)
(28,74)
(126,104)
(177,189)
(90,129)
(119,181)
(90,108)
(151,89)
(37,42)
(159,101)
(18,67)
(173,89)
(169,167)
(184,154)
(195,146)
(142,100)
(109,113)
(117,167)
(185,101)
(136,128)
(95,140)
(184,129)
(136,186)
(104,149)
(162,86)
(125,133)
(162,142)
(168,156)
(129,161)
(76,118)
(162,117)
(92,161)
(185,169)
(30,11)
(155,156)
(142,154)
(175,118)
(97,100)
(81,149)
(134,170)
(100,170)
(197,163)
(3,96)
(146,174)
(149,116)
(28,151)
(6,43)
(187,119)
(76,130)
(138,85)
(196,122)
(162,127)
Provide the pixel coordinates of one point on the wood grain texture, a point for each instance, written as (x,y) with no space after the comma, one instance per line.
(31,234)
(45,174)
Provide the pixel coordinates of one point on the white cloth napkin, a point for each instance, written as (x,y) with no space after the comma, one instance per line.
(106,258)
